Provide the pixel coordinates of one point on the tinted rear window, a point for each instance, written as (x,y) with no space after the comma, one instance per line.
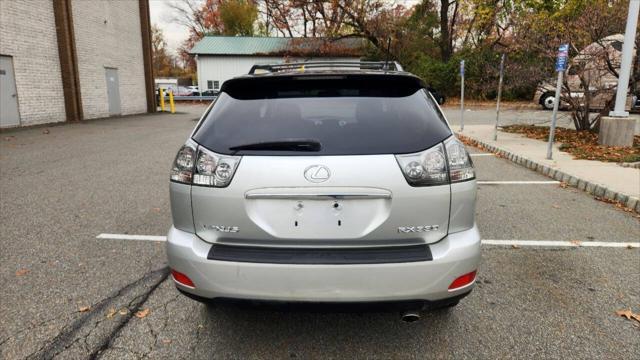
(347,115)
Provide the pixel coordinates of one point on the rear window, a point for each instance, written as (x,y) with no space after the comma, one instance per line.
(360,115)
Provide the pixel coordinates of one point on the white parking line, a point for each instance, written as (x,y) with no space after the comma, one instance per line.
(132,237)
(543,182)
(540,243)
(482,154)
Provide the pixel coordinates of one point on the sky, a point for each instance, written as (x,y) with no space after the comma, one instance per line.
(161,16)
(175,34)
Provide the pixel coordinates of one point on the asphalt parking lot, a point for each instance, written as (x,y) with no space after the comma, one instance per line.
(67,293)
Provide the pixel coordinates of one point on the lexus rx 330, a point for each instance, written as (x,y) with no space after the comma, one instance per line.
(322,182)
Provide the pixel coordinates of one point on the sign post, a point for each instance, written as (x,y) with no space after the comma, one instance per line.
(495,131)
(461,95)
(561,66)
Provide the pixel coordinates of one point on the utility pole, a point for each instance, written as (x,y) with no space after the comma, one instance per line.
(617,128)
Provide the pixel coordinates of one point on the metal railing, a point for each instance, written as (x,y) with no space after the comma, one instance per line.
(189,98)
(194,98)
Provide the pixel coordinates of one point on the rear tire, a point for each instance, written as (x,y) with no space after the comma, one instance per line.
(547,99)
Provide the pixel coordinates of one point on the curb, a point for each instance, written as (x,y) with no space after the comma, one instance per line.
(594,189)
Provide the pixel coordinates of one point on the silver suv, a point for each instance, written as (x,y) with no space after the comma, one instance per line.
(324,182)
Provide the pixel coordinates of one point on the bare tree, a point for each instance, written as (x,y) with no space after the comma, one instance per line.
(188,14)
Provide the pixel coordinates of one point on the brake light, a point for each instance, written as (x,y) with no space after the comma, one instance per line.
(198,166)
(213,169)
(444,163)
(182,169)
(182,279)
(425,168)
(460,164)
(462,281)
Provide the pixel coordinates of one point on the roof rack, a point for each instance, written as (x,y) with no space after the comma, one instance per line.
(362,65)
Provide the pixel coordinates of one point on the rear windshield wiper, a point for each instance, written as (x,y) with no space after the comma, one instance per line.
(282,145)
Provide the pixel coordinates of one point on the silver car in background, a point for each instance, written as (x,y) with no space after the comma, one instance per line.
(324,182)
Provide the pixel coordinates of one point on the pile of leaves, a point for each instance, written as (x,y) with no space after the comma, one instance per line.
(580,144)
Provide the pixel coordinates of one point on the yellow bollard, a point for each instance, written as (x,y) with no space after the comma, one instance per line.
(162,99)
(172,106)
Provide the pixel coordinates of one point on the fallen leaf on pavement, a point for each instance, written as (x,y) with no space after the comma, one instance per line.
(46,131)
(22,272)
(84,308)
(111,313)
(580,144)
(628,314)
(142,313)
(123,311)
(555,206)
(563,185)
(166,341)
(514,246)
(576,242)
(618,205)
(156,209)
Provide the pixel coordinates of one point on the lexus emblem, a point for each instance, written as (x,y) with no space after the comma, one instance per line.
(317,173)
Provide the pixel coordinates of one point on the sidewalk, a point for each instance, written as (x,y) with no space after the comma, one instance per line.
(602,179)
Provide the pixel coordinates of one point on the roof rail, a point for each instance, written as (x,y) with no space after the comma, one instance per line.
(362,65)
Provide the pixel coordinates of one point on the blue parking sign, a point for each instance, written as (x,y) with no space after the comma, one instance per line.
(561,60)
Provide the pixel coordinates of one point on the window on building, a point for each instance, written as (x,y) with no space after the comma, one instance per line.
(216,85)
(209,84)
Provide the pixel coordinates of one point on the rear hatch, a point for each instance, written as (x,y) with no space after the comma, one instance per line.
(316,162)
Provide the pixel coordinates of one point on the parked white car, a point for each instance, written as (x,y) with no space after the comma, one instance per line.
(324,186)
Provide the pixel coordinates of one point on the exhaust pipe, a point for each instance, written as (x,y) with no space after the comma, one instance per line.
(410,316)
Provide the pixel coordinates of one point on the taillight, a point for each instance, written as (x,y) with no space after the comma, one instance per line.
(182,169)
(199,166)
(460,164)
(434,167)
(213,169)
(425,168)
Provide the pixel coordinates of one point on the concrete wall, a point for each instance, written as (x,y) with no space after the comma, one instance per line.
(223,68)
(28,34)
(108,34)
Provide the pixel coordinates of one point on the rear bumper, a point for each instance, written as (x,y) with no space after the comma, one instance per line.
(457,254)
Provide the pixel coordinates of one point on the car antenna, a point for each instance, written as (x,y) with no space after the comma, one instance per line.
(386,63)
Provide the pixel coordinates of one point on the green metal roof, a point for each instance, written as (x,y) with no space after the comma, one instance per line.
(244,45)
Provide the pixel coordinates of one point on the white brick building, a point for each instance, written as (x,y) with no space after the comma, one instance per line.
(70,60)
(22,40)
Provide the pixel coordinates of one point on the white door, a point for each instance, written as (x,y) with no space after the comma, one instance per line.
(113,91)
(9,115)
